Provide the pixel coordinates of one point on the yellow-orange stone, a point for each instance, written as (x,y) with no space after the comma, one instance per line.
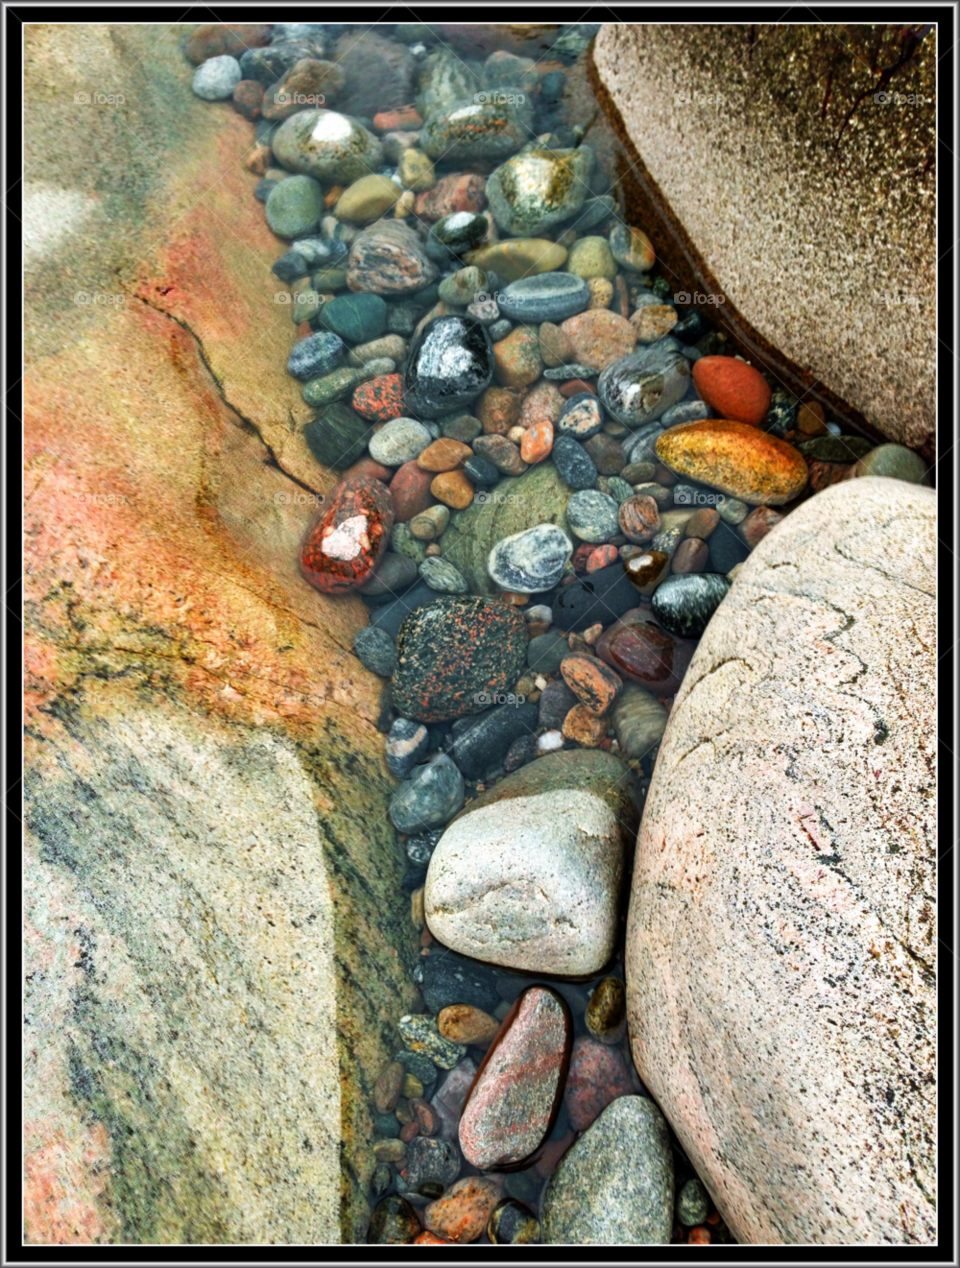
(735,458)
(444,455)
(453,489)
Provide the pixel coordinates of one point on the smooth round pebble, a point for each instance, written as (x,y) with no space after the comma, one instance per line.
(593,516)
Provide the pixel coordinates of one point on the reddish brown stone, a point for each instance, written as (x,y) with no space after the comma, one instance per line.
(542,403)
(515,1097)
(452,193)
(758,523)
(642,652)
(444,455)
(311,82)
(342,549)
(732,388)
(403,118)
(426,1238)
(410,491)
(601,557)
(427,1118)
(584,727)
(258,160)
(599,337)
(461,1214)
(231,40)
(639,518)
(465,1024)
(380,399)
(607,454)
(553,1151)
(581,556)
(593,683)
(702,523)
(647,569)
(691,555)
(408,1131)
(369,469)
(598,1075)
(248,98)
(575,386)
(498,410)
(823,474)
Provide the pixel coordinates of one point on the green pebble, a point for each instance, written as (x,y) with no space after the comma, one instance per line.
(420,1034)
(356,318)
(895,462)
(591,257)
(331,387)
(403,542)
(294,207)
(462,427)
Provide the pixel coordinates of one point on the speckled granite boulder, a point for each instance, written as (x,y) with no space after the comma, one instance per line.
(781,940)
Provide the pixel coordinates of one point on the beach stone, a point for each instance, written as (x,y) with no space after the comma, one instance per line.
(653,321)
(512,1223)
(309,77)
(410,486)
(453,488)
(543,403)
(388,259)
(480,746)
(832,788)
(518,257)
(450,364)
(394,1222)
(598,1075)
(599,596)
(444,455)
(498,410)
(429,798)
(452,194)
(683,605)
(454,651)
(216,78)
(685,412)
(599,338)
(407,742)
(402,542)
(463,1023)
(528,877)
(340,551)
(294,206)
(440,574)
(450,979)
(593,516)
(460,287)
(590,257)
(358,318)
(691,556)
(693,1203)
(431,1160)
(530,561)
(581,417)
(217,39)
(895,462)
(399,441)
(379,399)
(594,684)
(328,146)
(539,188)
(416,171)
(606,1015)
(632,249)
(376,651)
(544,656)
(615,1185)
(647,569)
(469,129)
(419,1035)
(517,358)
(556,699)
(607,454)
(732,388)
(513,1103)
(462,427)
(555,347)
(639,388)
(758,523)
(735,458)
(461,1214)
(546,297)
(643,653)
(430,524)
(337,437)
(443,79)
(374,64)
(584,727)
(574,465)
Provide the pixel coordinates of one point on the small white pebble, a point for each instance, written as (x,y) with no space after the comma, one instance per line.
(540,681)
(550,741)
(539,612)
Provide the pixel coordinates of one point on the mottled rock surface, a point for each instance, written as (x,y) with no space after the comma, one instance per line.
(781,939)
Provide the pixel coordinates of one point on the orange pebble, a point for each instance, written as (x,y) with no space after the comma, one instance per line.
(537,442)
(258,160)
(453,489)
(332,197)
(713,1217)
(735,389)
(427,1238)
(699,1236)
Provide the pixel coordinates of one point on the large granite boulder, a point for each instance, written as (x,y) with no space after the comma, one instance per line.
(781,939)
(798,167)
(214,955)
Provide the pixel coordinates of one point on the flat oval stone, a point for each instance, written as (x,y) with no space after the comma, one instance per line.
(471,129)
(401,440)
(512,1106)
(733,389)
(684,604)
(328,146)
(483,742)
(342,549)
(639,721)
(736,458)
(545,297)
(518,257)
(632,248)
(581,417)
(593,516)
(539,188)
(429,798)
(642,652)
(441,575)
(453,655)
(574,464)
(531,561)
(606,1015)
(317,354)
(450,364)
(640,387)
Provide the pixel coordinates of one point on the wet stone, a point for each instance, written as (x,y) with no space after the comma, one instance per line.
(598,1075)
(577,469)
(376,651)
(545,653)
(327,146)
(513,1224)
(394,1222)
(693,1203)
(640,387)
(593,516)
(581,416)
(547,297)
(449,978)
(318,354)
(450,364)
(480,746)
(684,605)
(407,743)
(643,653)
(337,437)
(606,1015)
(401,440)
(454,235)
(461,1214)
(429,1160)
(420,1035)
(531,561)
(342,549)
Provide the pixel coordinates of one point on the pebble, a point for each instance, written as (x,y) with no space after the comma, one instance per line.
(685,412)
(328,146)
(420,1035)
(444,455)
(424,1114)
(453,488)
(342,548)
(380,399)
(597,597)
(454,236)
(531,561)
(732,510)
(462,427)
(615,1185)
(734,389)
(591,257)
(684,605)
(547,297)
(691,556)
(595,685)
(429,798)
(294,207)
(584,727)
(895,462)
(581,417)
(430,524)
(462,1213)
(217,39)
(639,518)
(518,257)
(593,516)
(452,194)
(736,458)
(216,78)
(653,321)
(601,292)
(513,1103)
(393,1222)
(512,1223)
(632,249)
(409,489)
(460,287)
(376,651)
(337,437)
(758,523)
(702,522)
(502,453)
(441,575)
(693,1203)
(429,1160)
(417,172)
(599,338)
(545,653)
(539,188)
(607,454)
(556,349)
(598,1075)
(480,746)
(606,1015)
(645,654)
(388,259)
(517,358)
(399,441)
(403,542)
(470,129)
(639,388)
(574,464)
(454,651)
(358,318)
(408,742)
(465,1024)
(449,365)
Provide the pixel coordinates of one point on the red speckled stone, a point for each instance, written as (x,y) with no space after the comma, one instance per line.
(513,1103)
(410,491)
(380,399)
(581,556)
(601,557)
(593,683)
(452,193)
(644,653)
(341,550)
(231,40)
(598,1075)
